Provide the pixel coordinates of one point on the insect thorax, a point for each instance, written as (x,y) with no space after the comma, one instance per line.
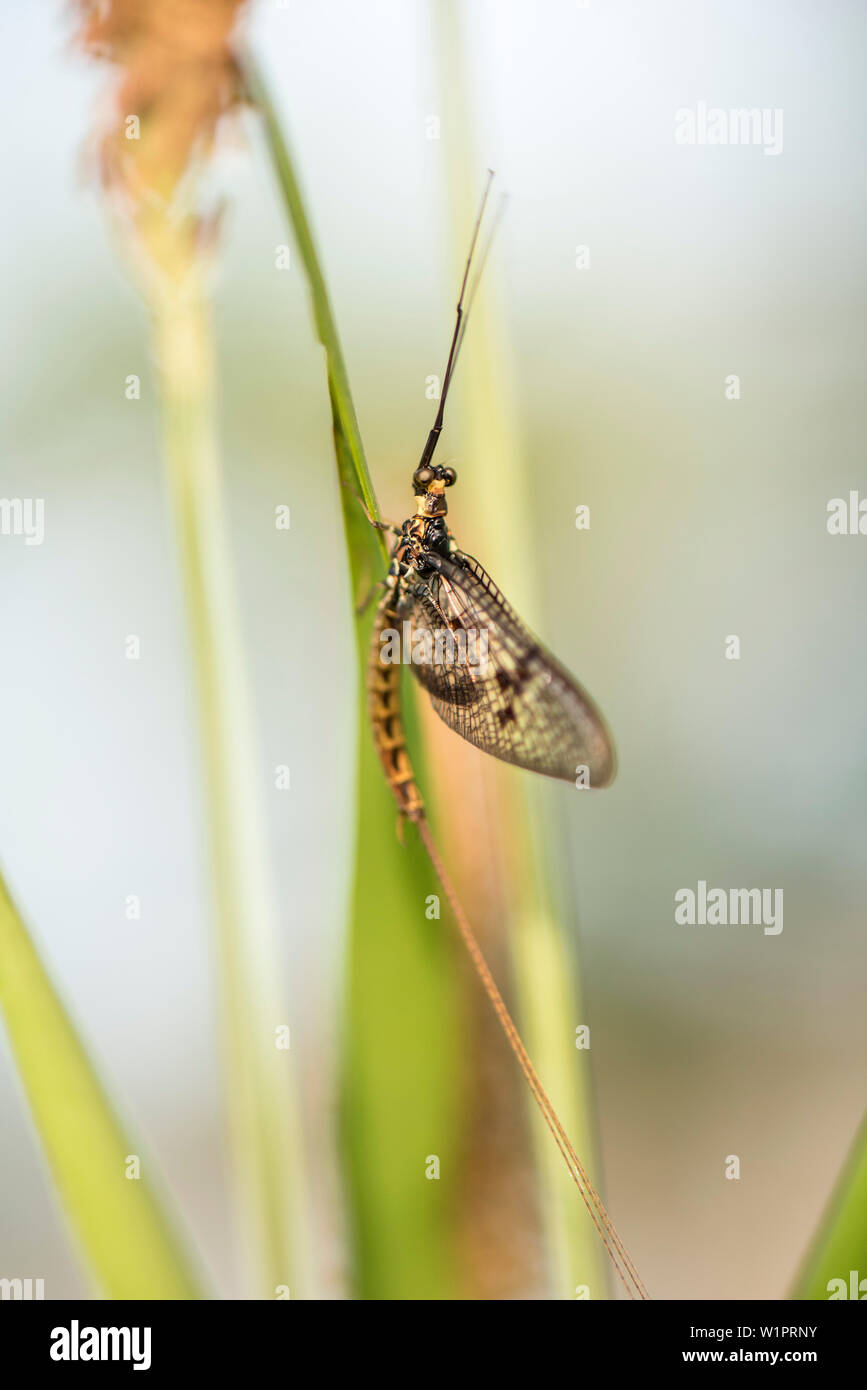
(431,533)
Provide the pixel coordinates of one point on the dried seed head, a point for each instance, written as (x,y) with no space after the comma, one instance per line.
(177,78)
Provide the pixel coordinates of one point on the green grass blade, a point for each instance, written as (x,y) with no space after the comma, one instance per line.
(122,1228)
(400,1097)
(403,1063)
(840,1243)
(351,461)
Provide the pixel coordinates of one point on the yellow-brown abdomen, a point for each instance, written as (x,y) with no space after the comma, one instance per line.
(383,686)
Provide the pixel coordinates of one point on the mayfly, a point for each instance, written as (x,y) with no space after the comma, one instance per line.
(513,700)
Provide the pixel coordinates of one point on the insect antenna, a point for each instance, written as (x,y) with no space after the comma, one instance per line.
(475,285)
(433,437)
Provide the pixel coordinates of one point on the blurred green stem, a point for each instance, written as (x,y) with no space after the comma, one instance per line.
(840,1243)
(261,1114)
(545,971)
(127,1237)
(401,1088)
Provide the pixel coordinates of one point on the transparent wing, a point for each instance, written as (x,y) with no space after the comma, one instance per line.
(494,683)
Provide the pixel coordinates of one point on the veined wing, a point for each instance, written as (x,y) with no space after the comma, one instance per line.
(497,686)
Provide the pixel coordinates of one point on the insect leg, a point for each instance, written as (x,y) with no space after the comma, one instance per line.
(363,604)
(380,525)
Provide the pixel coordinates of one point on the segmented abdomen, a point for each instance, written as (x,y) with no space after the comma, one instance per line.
(383,687)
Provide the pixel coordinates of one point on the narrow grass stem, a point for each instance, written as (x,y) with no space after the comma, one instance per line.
(545,970)
(261,1113)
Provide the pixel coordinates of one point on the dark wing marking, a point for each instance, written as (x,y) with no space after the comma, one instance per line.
(519,704)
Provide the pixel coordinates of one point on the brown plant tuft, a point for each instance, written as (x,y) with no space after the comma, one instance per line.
(178,75)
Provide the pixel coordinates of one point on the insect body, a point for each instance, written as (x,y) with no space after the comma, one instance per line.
(516,703)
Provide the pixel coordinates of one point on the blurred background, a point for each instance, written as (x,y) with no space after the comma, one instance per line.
(708,518)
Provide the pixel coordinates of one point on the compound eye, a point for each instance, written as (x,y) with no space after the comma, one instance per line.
(450,477)
(423,476)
